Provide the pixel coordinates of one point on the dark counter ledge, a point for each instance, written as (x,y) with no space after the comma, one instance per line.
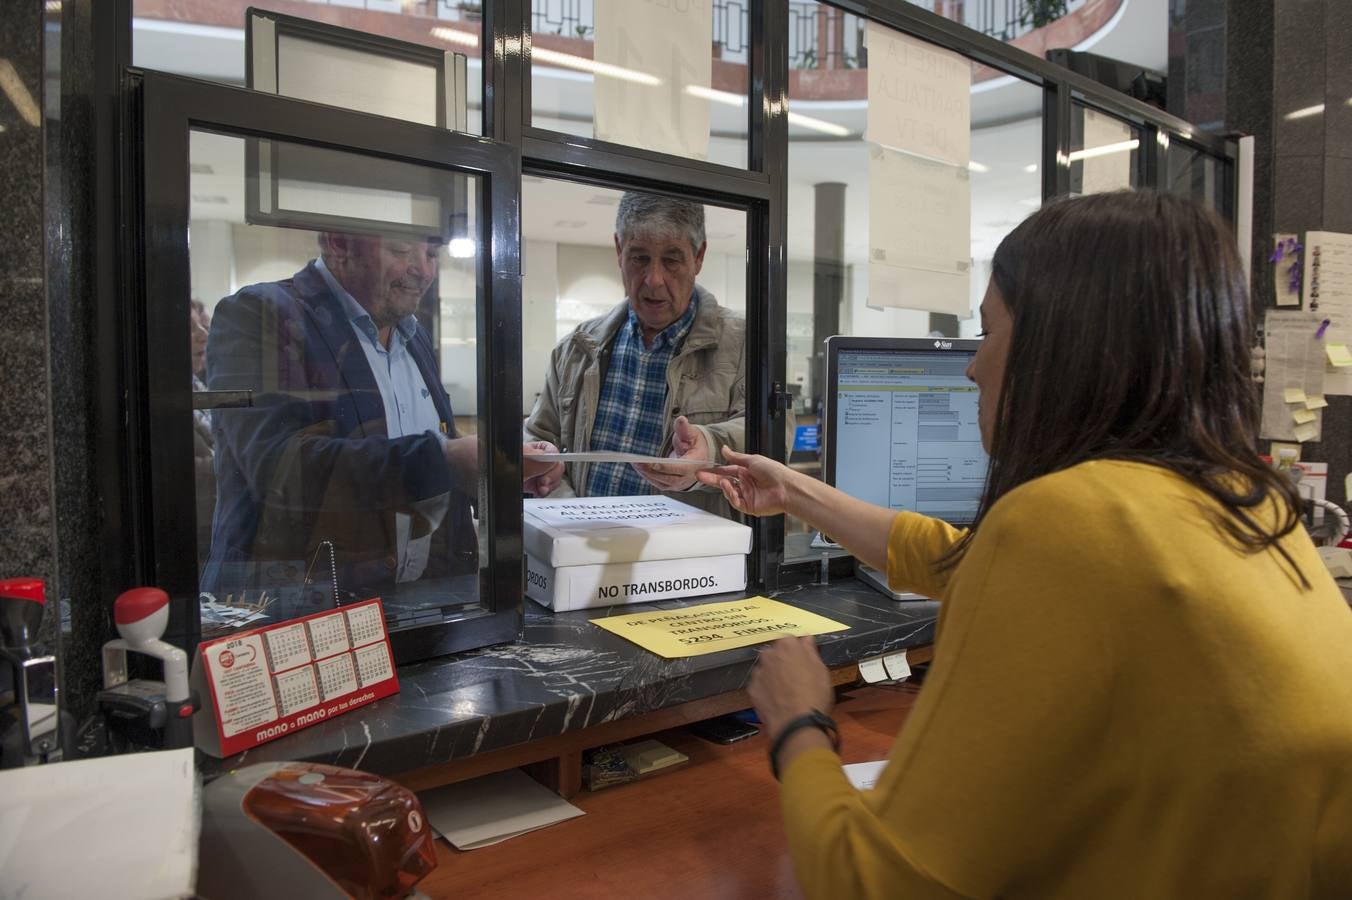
(566,674)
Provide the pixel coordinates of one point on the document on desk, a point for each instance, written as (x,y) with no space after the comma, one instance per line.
(710,627)
(616,456)
(491,809)
(118,826)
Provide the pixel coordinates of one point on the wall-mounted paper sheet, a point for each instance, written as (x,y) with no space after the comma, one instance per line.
(1328,295)
(919,96)
(650,55)
(1294,373)
(1105,171)
(919,233)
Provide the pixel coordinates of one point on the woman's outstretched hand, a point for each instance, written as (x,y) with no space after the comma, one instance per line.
(753,484)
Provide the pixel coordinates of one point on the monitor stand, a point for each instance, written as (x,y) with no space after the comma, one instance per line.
(878,581)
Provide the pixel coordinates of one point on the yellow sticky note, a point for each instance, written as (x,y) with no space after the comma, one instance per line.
(1294,395)
(1315,401)
(1278,447)
(1307,432)
(1302,416)
(1338,355)
(696,630)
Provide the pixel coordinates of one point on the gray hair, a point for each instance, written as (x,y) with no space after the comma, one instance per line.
(654,214)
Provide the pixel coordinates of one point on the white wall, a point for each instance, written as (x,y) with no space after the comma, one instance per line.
(539,312)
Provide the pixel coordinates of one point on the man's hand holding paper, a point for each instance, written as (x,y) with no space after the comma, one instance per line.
(687,443)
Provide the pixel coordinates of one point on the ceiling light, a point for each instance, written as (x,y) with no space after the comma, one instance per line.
(818,125)
(1030,168)
(582,64)
(14,88)
(975,166)
(1304,113)
(462,248)
(454,36)
(1104,150)
(725,97)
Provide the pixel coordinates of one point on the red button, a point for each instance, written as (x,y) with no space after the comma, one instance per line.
(185,711)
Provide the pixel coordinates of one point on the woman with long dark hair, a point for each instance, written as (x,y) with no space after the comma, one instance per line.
(1142,683)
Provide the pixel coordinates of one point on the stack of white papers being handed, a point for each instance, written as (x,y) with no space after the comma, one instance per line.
(491,809)
(617,456)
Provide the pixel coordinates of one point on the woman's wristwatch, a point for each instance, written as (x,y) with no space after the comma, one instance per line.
(814,719)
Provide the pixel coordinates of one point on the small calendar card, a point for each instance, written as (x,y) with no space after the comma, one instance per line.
(265,683)
(328,634)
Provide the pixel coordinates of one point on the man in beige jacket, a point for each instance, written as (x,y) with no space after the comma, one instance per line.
(663,373)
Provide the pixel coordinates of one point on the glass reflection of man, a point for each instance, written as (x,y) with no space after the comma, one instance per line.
(350,439)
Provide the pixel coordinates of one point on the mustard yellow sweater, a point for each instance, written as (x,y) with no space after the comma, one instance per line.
(1122,704)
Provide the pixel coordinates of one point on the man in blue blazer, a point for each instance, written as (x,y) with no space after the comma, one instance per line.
(350,440)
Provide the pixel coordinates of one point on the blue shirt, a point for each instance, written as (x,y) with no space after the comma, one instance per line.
(630,416)
(409,408)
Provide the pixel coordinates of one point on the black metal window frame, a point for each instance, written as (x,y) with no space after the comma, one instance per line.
(170,108)
(760,189)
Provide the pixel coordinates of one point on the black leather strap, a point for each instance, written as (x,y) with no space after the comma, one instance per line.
(814,719)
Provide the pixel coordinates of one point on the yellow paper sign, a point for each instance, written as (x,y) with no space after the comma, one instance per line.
(1338,355)
(696,630)
(1294,395)
(1315,401)
(1306,432)
(1301,416)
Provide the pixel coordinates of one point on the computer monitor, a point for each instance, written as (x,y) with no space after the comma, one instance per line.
(901,426)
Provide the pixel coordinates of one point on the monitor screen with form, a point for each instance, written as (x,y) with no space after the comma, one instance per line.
(902,426)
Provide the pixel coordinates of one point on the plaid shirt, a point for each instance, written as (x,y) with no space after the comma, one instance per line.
(633,400)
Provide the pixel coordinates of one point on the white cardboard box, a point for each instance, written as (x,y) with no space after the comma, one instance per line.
(584,531)
(581,587)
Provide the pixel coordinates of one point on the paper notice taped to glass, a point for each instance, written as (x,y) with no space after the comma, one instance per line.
(920,250)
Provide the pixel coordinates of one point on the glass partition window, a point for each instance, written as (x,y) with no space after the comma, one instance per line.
(576,283)
(1192,172)
(668,77)
(1105,152)
(334,322)
(206,39)
(894,216)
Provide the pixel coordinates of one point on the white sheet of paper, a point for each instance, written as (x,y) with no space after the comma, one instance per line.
(616,456)
(1111,171)
(898,667)
(919,96)
(872,670)
(919,234)
(1334,273)
(1281,273)
(1294,368)
(114,827)
(654,74)
(491,809)
(865,775)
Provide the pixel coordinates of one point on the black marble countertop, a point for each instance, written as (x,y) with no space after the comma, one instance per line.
(565,674)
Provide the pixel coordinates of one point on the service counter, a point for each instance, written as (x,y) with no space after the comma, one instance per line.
(568,685)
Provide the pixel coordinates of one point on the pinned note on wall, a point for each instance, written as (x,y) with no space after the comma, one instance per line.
(1301,416)
(1307,432)
(1316,402)
(1294,395)
(1338,355)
